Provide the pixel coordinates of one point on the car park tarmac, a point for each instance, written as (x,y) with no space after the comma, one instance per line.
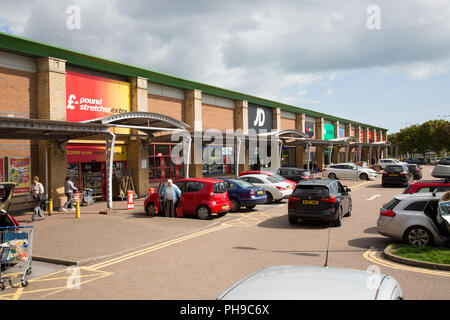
(202,263)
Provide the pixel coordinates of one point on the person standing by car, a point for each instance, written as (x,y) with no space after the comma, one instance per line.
(37,191)
(69,188)
(443,218)
(315,166)
(170,193)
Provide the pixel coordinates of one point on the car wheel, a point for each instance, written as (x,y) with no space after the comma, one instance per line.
(293,220)
(235,205)
(332,176)
(250,207)
(150,209)
(364,176)
(338,221)
(418,236)
(203,213)
(269,197)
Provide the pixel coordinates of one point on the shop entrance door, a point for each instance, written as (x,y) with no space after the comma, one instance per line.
(93,178)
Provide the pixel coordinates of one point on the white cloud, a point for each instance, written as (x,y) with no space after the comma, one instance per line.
(265,48)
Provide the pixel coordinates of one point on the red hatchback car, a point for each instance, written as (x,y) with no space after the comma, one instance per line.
(270,174)
(200,197)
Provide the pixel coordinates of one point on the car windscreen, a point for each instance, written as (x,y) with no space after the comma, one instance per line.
(243,184)
(219,187)
(310,190)
(394,169)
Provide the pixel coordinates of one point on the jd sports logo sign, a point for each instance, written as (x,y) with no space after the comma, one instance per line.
(259,118)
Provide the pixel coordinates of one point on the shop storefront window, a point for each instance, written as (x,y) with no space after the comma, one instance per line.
(218,160)
(161,165)
(288,157)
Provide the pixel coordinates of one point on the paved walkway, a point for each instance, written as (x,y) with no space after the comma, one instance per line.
(64,239)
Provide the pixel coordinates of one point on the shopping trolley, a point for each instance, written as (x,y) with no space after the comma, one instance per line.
(16,244)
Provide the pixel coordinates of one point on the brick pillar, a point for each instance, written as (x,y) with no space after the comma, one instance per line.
(348,130)
(51,102)
(335,155)
(300,151)
(320,154)
(276,119)
(241,122)
(138,146)
(319,128)
(193,117)
(366,135)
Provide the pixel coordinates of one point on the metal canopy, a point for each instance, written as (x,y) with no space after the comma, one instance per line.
(39,129)
(147,122)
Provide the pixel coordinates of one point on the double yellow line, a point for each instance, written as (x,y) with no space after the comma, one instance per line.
(154,248)
(371,256)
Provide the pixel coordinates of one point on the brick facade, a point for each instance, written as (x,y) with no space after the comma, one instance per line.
(214,117)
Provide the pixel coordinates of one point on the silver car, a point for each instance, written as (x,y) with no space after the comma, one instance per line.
(411,218)
(348,171)
(313,283)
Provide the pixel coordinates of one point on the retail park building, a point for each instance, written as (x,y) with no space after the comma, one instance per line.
(43,82)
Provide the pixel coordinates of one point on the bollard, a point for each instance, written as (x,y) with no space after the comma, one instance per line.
(50,207)
(77,210)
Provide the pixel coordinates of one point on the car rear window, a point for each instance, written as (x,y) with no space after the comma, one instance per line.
(277,177)
(311,190)
(391,204)
(274,180)
(219,187)
(394,169)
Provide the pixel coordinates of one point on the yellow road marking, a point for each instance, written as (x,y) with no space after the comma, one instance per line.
(360,185)
(370,255)
(155,247)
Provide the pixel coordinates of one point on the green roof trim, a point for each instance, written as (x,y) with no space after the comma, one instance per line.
(28,47)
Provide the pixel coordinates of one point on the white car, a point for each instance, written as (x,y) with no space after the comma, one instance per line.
(434,161)
(313,283)
(276,190)
(384,162)
(348,171)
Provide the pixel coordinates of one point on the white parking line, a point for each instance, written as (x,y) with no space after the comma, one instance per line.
(374,197)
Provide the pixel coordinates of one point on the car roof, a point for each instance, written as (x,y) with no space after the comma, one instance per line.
(305,283)
(256,175)
(420,196)
(204,180)
(322,182)
(433,182)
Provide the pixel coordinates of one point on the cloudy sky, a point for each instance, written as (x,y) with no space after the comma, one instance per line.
(390,69)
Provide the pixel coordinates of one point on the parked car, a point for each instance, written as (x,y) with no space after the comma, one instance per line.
(200,197)
(270,174)
(409,161)
(320,199)
(276,190)
(384,162)
(397,174)
(434,161)
(411,218)
(294,174)
(415,170)
(441,185)
(244,194)
(348,171)
(313,283)
(420,161)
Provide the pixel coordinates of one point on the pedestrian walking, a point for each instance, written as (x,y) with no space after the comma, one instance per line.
(37,192)
(315,166)
(170,194)
(69,188)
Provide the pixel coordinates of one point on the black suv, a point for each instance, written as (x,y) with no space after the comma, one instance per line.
(294,174)
(320,199)
(396,174)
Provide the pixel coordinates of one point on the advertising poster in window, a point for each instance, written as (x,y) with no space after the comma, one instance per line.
(328,131)
(370,136)
(91,97)
(341,133)
(20,173)
(309,128)
(2,169)
(361,136)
